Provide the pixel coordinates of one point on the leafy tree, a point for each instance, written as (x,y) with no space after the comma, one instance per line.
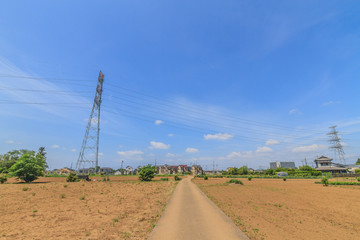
(306,168)
(147,173)
(29,167)
(358,162)
(270,171)
(243,170)
(233,171)
(10,158)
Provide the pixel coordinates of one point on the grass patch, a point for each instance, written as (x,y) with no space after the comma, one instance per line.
(25,189)
(235,181)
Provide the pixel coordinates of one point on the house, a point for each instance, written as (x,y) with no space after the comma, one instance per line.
(163,169)
(275,165)
(182,169)
(324,164)
(129,170)
(86,171)
(62,171)
(106,170)
(197,170)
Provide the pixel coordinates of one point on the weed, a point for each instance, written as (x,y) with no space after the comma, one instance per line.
(35,210)
(206,177)
(65,185)
(115,220)
(82,198)
(62,195)
(33,194)
(284,179)
(249,178)
(177,178)
(87,233)
(25,189)
(236,181)
(358,179)
(325,181)
(164,179)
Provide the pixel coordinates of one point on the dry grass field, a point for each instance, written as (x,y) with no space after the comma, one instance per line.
(292,209)
(51,208)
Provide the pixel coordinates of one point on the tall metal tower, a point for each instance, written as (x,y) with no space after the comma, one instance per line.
(89,153)
(336,144)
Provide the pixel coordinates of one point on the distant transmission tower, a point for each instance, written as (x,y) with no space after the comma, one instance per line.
(336,144)
(89,152)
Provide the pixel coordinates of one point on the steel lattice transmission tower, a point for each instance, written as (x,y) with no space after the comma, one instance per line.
(336,144)
(89,153)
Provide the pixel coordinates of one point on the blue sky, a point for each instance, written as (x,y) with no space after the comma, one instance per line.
(230,82)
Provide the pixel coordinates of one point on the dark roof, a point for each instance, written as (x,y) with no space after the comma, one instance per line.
(323,158)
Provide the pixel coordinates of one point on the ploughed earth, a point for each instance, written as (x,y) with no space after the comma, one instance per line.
(292,209)
(51,208)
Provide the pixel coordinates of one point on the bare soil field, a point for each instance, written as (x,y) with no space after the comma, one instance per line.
(51,208)
(292,209)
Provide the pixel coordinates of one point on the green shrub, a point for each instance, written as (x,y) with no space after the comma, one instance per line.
(147,173)
(107,178)
(236,181)
(284,178)
(325,181)
(25,189)
(164,179)
(177,178)
(249,178)
(358,179)
(206,177)
(62,195)
(82,198)
(29,167)
(72,177)
(3,178)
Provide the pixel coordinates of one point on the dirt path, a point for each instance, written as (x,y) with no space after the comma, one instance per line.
(191,215)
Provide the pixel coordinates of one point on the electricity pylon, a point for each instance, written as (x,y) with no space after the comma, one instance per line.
(336,144)
(89,153)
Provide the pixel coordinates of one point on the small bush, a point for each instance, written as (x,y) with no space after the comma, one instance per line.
(72,177)
(107,178)
(3,178)
(25,189)
(325,181)
(249,178)
(62,195)
(164,179)
(358,179)
(82,198)
(206,177)
(236,181)
(284,179)
(65,185)
(147,173)
(177,178)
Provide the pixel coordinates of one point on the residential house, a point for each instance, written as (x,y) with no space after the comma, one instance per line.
(197,170)
(106,170)
(324,164)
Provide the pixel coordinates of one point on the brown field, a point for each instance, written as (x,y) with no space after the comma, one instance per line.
(123,208)
(295,209)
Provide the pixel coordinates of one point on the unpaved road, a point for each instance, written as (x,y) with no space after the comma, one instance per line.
(191,215)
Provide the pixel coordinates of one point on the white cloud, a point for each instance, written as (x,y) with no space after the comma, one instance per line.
(328,103)
(73,150)
(55,146)
(191,150)
(10,142)
(131,155)
(159,145)
(263,150)
(218,136)
(272,142)
(309,148)
(170,135)
(170,155)
(294,111)
(158,122)
(234,155)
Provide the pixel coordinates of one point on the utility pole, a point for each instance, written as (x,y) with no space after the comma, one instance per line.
(89,153)
(336,144)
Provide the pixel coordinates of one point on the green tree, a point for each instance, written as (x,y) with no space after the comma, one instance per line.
(10,158)
(29,167)
(270,171)
(243,170)
(306,168)
(358,162)
(147,173)
(233,171)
